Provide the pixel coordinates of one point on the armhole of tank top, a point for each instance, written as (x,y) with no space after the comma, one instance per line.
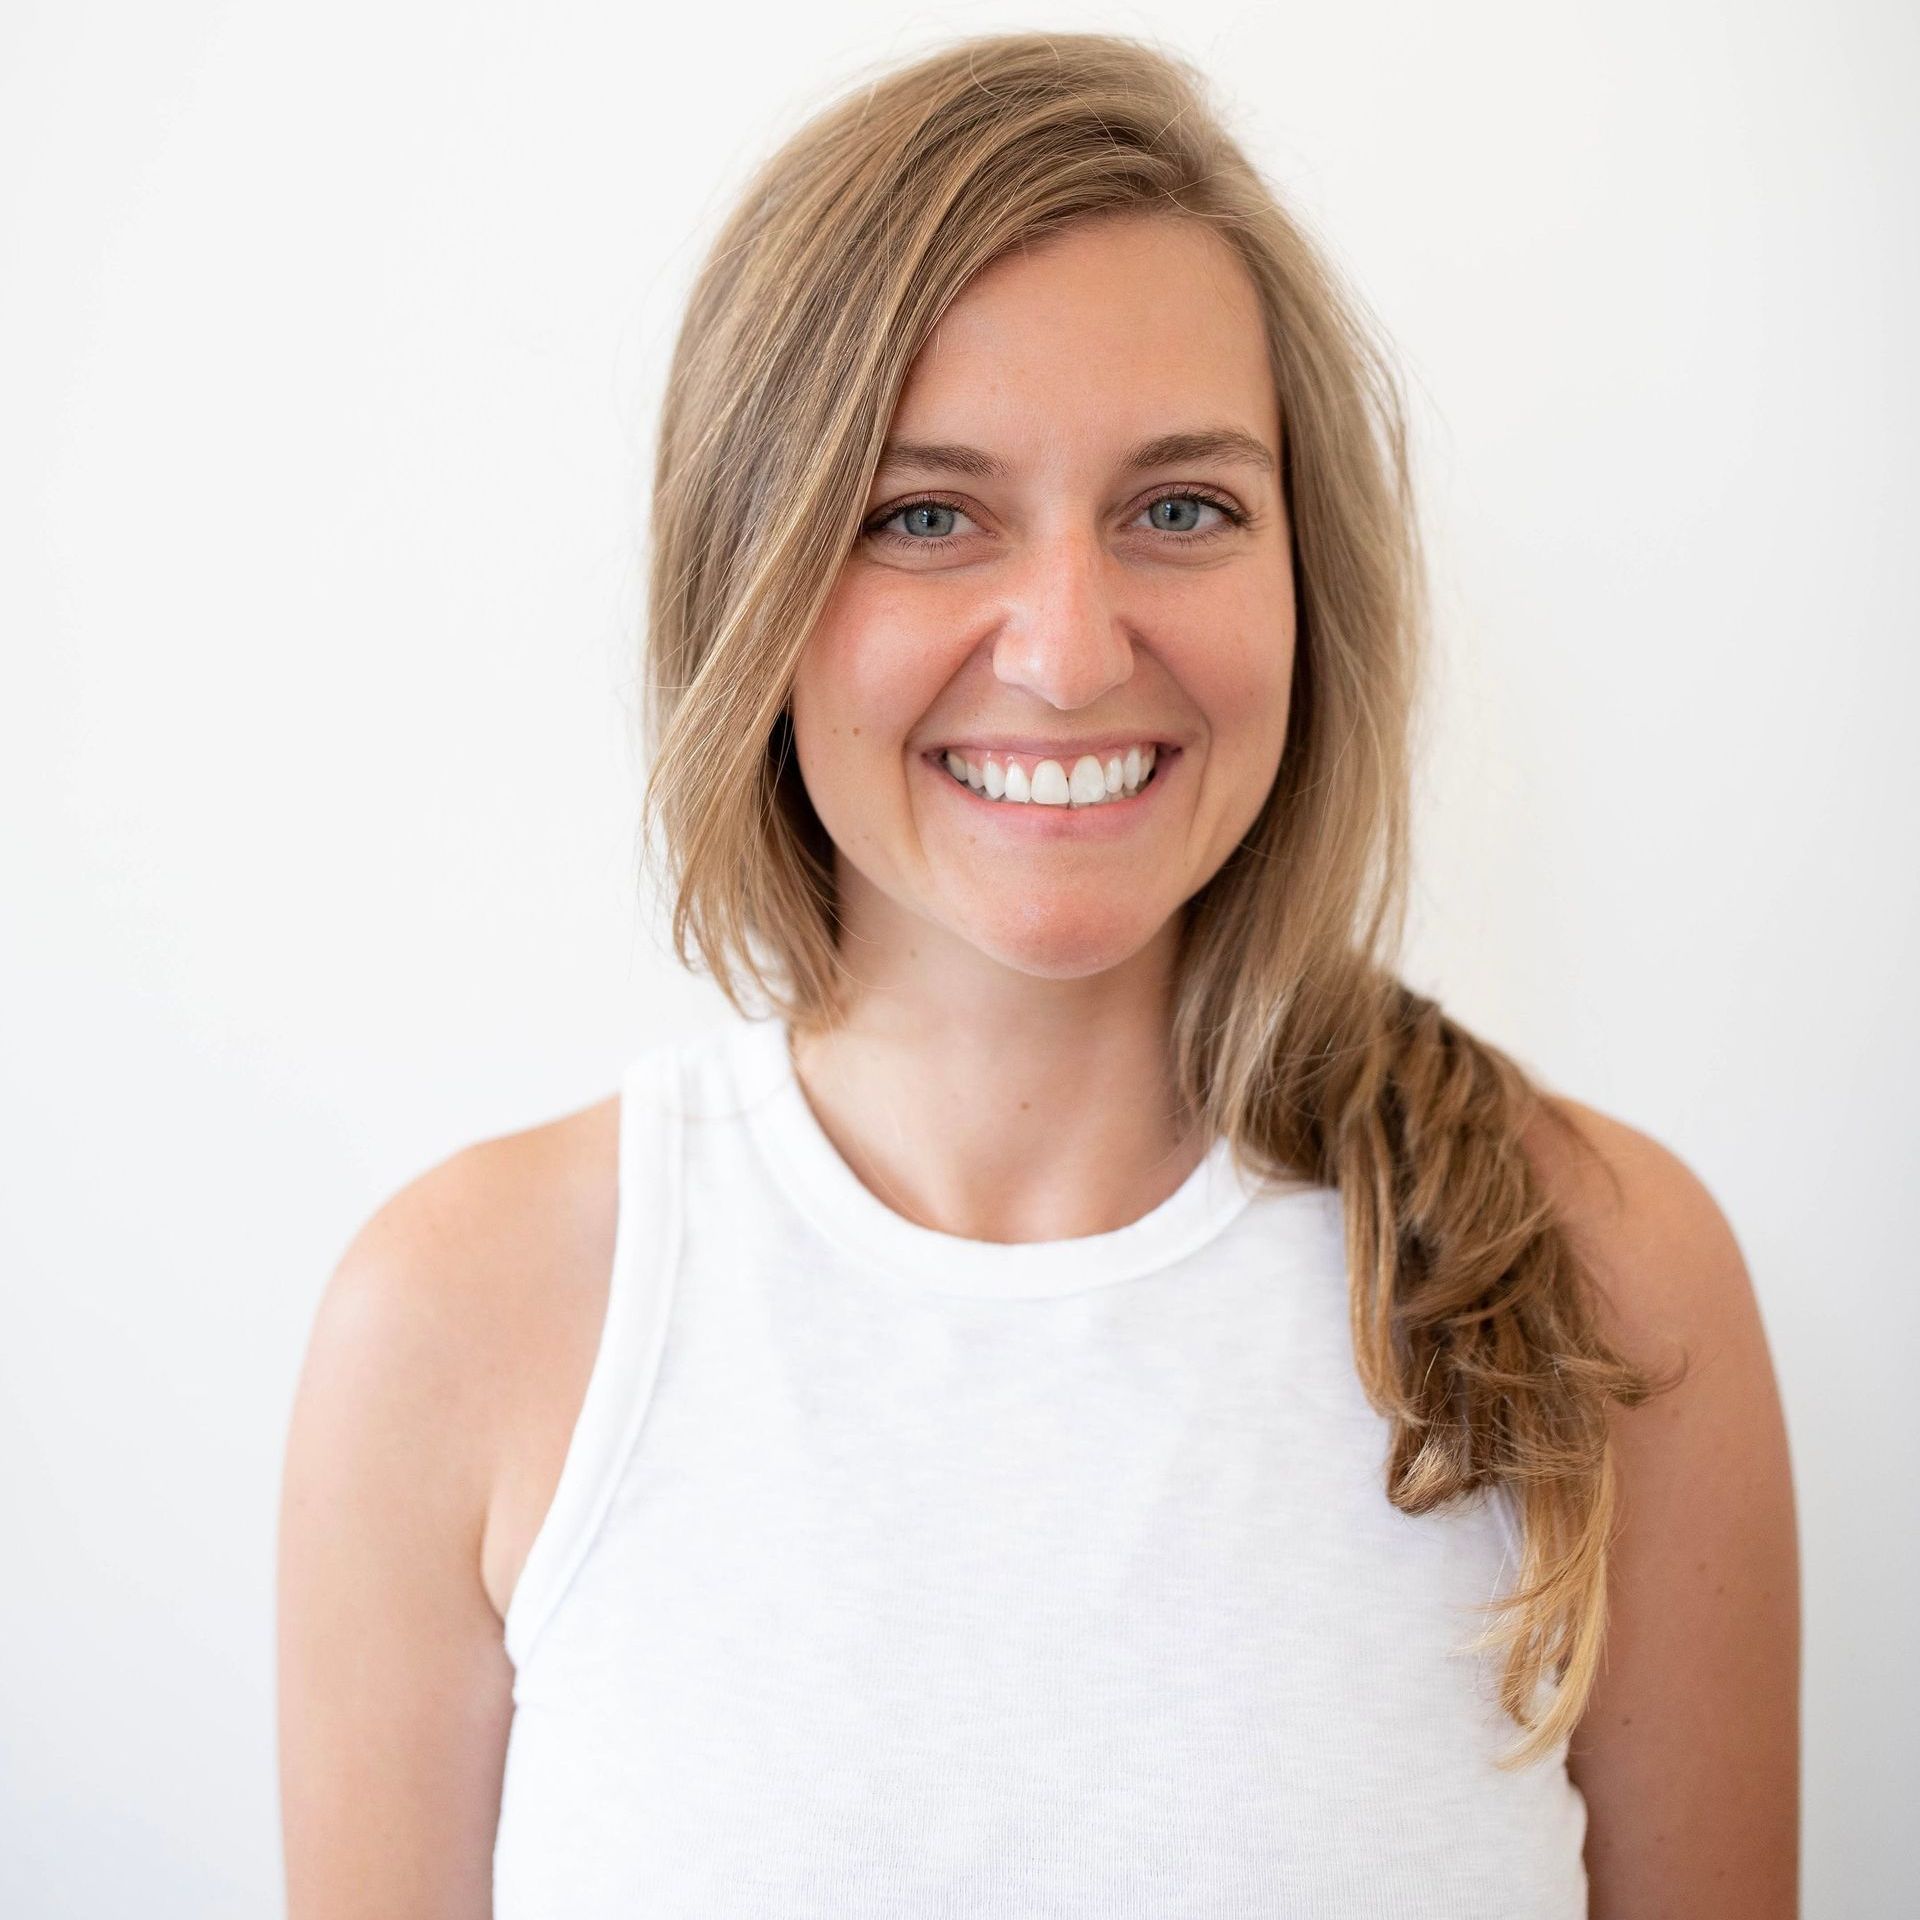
(626,1362)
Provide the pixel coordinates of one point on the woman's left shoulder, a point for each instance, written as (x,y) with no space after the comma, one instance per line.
(1688,1753)
(1661,1250)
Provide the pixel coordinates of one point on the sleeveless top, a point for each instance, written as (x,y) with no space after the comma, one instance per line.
(894,1574)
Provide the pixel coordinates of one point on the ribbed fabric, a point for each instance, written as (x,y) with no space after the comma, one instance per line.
(897,1575)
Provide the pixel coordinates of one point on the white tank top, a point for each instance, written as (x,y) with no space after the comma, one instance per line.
(894,1575)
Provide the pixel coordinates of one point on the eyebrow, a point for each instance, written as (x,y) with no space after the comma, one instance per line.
(1230,444)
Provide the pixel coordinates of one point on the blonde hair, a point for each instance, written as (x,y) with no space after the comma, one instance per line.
(1473,1325)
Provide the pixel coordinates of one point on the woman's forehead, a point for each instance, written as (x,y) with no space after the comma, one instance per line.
(1124,330)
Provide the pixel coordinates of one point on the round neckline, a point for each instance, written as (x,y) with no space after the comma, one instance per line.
(820,1183)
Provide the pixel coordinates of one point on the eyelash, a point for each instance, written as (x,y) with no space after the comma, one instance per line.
(1235,517)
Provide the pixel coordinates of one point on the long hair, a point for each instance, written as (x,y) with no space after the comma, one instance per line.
(1474,1330)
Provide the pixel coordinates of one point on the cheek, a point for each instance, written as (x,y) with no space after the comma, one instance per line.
(1236,666)
(870,671)
(876,661)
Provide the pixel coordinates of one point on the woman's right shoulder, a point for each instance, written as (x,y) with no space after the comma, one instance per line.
(493,1219)
(481,1282)
(461,1300)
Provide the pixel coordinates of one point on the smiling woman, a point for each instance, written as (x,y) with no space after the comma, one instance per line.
(1030,1426)
(1080,387)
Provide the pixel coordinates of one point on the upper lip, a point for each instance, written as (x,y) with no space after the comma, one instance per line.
(1026,745)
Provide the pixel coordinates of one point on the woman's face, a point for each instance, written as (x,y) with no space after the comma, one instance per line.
(1075,547)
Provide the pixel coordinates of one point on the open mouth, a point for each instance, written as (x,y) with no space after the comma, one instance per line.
(1084,784)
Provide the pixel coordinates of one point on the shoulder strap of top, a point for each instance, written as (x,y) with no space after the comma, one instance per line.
(646,1249)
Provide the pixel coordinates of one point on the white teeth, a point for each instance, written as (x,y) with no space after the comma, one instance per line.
(1049,784)
(1087,783)
(1050,787)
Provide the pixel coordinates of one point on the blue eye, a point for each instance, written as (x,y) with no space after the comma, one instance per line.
(929,523)
(917,515)
(1181,502)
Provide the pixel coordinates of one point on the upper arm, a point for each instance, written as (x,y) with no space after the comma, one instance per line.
(1688,1755)
(394,1690)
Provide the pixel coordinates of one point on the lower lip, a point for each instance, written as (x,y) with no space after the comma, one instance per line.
(1108,820)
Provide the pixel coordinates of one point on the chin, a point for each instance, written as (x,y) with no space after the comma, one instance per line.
(1050,943)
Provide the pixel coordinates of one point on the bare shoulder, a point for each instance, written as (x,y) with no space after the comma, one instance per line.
(445,1342)
(500,1255)
(1663,1255)
(483,1210)
(1688,1756)
(485,1249)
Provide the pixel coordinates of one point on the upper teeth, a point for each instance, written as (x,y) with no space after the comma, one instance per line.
(1046,783)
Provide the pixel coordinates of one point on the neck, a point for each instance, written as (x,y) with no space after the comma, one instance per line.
(1006,1108)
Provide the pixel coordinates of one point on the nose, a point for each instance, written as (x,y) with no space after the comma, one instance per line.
(1063,638)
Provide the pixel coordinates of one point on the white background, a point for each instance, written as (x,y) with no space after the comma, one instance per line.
(332,341)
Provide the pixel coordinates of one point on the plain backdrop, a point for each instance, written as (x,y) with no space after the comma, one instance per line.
(330,348)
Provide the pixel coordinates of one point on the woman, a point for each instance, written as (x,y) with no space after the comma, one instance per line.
(1032,1425)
